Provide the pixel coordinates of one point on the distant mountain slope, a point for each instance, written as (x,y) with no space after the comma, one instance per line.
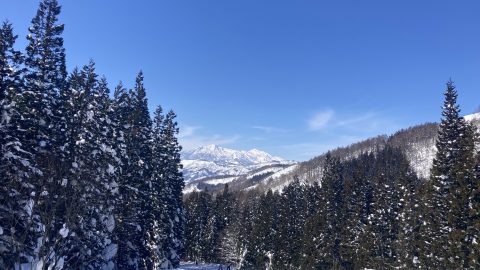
(213,161)
(418,144)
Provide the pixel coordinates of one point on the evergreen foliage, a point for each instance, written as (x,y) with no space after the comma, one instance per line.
(87,181)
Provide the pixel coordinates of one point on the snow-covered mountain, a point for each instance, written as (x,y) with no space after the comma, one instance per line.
(418,144)
(213,161)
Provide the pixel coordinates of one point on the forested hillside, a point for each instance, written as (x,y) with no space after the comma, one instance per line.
(368,211)
(87,181)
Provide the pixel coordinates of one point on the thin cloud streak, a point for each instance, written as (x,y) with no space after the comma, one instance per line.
(268,129)
(189,140)
(320,120)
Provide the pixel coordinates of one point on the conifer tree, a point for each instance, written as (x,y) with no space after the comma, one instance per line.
(45,78)
(292,210)
(135,185)
(122,205)
(264,233)
(173,184)
(474,208)
(331,214)
(445,203)
(91,182)
(159,226)
(17,240)
(198,207)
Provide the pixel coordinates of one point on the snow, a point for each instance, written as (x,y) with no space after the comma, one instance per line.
(192,266)
(110,223)
(5,118)
(64,231)
(472,117)
(190,189)
(60,263)
(29,207)
(265,171)
(81,141)
(90,115)
(110,169)
(213,160)
(110,251)
(284,172)
(220,180)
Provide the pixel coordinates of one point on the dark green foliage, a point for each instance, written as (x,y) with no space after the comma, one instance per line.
(363,215)
(82,185)
(445,242)
(198,208)
(17,240)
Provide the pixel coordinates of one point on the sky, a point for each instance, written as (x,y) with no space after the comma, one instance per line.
(293,78)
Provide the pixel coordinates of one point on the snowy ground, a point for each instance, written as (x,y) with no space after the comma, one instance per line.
(192,266)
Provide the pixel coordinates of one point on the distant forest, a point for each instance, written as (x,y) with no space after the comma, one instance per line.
(367,212)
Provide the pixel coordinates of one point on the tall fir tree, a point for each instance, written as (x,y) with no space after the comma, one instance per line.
(332,213)
(136,182)
(445,199)
(173,184)
(122,204)
(45,78)
(474,208)
(157,221)
(292,210)
(198,207)
(90,183)
(17,241)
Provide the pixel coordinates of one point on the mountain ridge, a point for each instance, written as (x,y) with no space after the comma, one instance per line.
(213,161)
(417,142)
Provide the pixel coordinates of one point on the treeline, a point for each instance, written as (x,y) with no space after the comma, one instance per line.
(86,181)
(370,212)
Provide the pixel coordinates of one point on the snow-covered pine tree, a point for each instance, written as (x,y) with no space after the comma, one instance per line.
(391,169)
(356,188)
(45,78)
(108,168)
(135,181)
(173,184)
(159,226)
(332,213)
(443,229)
(355,243)
(86,239)
(474,260)
(233,247)
(122,204)
(264,234)
(198,208)
(311,258)
(17,241)
(407,192)
(292,210)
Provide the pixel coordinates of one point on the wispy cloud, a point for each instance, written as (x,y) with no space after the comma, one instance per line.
(320,120)
(368,122)
(268,129)
(359,119)
(186,131)
(308,150)
(189,139)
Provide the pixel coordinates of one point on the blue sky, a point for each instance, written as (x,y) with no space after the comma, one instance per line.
(293,78)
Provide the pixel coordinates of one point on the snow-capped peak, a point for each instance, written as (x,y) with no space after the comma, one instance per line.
(223,155)
(214,160)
